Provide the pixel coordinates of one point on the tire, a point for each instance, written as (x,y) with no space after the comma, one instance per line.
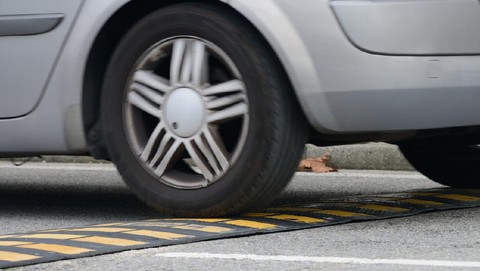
(455,166)
(198,115)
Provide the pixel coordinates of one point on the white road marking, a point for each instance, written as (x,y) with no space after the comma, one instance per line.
(341,260)
(402,175)
(61,166)
(111,167)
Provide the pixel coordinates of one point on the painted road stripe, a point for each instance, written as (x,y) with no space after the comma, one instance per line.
(208,220)
(338,260)
(341,213)
(293,209)
(110,167)
(458,197)
(13,243)
(16,257)
(101,229)
(159,234)
(58,244)
(56,236)
(210,229)
(288,217)
(120,242)
(57,248)
(62,167)
(250,224)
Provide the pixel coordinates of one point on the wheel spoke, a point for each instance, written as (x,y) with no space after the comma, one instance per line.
(178,52)
(199,162)
(228,113)
(225,88)
(211,150)
(199,63)
(215,143)
(225,101)
(162,148)
(188,64)
(143,104)
(167,158)
(148,93)
(154,137)
(151,80)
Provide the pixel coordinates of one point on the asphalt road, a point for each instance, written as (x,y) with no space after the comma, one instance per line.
(50,196)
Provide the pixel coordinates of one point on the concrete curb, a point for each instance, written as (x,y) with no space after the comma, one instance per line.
(379,156)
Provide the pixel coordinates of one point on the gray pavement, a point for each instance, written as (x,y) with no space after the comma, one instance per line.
(46,196)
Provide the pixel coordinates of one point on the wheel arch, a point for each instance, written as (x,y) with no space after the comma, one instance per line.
(103,47)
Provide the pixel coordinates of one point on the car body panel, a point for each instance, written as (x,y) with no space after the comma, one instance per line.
(345,90)
(32,40)
(57,119)
(341,89)
(422,27)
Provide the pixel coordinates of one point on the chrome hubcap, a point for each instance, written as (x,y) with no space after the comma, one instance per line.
(186,112)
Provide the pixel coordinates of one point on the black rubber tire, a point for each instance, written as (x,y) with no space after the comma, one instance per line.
(277,128)
(455,166)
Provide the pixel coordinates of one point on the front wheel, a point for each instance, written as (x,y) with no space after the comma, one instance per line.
(198,115)
(455,165)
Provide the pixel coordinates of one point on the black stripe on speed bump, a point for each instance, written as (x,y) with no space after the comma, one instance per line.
(46,246)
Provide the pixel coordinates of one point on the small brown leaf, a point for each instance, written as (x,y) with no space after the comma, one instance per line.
(317,164)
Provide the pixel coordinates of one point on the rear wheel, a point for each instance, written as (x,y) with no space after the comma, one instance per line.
(198,115)
(455,166)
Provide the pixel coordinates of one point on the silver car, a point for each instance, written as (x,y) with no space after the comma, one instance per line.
(205,106)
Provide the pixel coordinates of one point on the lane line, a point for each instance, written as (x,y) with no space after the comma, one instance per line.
(62,167)
(408,175)
(110,167)
(341,260)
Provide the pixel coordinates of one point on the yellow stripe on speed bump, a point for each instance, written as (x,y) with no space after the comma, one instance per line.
(16,257)
(210,229)
(102,229)
(159,234)
(6,236)
(250,224)
(52,236)
(13,243)
(458,197)
(120,242)
(293,209)
(341,213)
(207,220)
(57,244)
(69,250)
(287,217)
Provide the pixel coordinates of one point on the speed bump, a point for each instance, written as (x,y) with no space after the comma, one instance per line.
(59,244)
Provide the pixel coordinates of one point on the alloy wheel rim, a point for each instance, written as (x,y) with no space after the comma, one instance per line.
(186,112)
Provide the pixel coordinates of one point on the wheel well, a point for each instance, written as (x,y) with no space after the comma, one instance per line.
(102,49)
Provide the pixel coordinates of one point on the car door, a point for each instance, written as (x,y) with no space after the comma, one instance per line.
(32,34)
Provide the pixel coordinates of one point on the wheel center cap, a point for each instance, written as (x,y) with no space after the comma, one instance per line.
(184,112)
